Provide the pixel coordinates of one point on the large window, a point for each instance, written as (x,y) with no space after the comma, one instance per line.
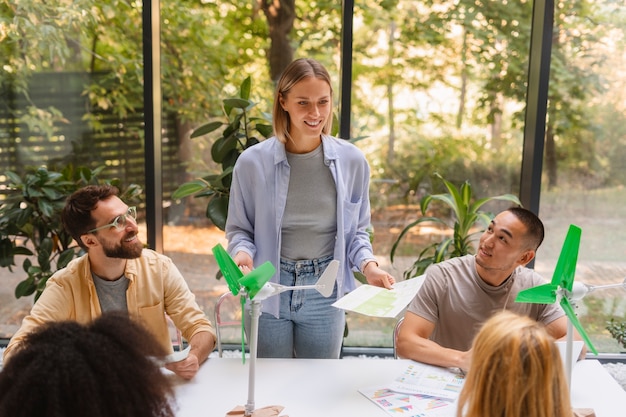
(584,164)
(436,88)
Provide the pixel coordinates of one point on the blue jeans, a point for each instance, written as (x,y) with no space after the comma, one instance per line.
(308,325)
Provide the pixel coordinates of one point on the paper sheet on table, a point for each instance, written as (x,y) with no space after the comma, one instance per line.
(434,381)
(381,302)
(420,391)
(409,405)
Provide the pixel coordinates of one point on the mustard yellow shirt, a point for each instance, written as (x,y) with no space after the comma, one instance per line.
(156,287)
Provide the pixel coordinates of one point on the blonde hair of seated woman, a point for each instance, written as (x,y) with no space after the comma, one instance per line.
(516,371)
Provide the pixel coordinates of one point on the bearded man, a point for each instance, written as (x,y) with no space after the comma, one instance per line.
(118,274)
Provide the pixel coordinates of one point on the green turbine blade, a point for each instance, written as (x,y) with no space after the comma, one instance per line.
(254,280)
(229,268)
(542,294)
(566,265)
(569,310)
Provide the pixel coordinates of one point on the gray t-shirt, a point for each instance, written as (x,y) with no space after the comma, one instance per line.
(111,294)
(458,301)
(309,223)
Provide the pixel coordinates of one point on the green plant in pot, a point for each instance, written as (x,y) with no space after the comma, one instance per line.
(30,221)
(468,223)
(237,135)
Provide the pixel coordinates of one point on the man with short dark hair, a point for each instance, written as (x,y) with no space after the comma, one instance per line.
(460,294)
(118,274)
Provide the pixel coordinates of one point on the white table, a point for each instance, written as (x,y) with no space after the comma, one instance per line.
(328,388)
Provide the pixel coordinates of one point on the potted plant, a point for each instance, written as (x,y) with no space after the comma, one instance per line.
(467,216)
(30,222)
(237,135)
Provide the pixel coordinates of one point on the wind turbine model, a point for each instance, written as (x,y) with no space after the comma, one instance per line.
(563,289)
(256,287)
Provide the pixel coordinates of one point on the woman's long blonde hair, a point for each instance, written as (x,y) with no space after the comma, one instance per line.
(516,371)
(294,73)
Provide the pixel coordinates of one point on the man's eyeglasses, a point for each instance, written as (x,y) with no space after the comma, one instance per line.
(120,221)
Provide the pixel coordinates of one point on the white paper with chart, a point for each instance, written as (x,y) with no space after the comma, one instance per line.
(420,391)
(381,302)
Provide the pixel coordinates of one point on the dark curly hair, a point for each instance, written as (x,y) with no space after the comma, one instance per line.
(103,369)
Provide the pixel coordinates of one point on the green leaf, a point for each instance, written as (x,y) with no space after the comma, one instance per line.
(53,193)
(207,128)
(14,178)
(34,270)
(246,86)
(189,188)
(217,211)
(454,199)
(447,199)
(218,182)
(233,127)
(442,250)
(65,257)
(206,193)
(408,227)
(45,207)
(26,265)
(6,252)
(466,193)
(221,148)
(265,130)
(251,142)
(237,103)
(25,288)
(504,197)
(41,283)
(46,246)
(229,162)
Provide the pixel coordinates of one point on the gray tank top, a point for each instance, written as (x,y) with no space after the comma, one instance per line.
(310,220)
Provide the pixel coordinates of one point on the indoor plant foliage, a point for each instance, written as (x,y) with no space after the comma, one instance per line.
(467,216)
(237,136)
(618,331)
(30,222)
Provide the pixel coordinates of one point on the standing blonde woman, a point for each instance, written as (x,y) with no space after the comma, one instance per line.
(299,200)
(516,371)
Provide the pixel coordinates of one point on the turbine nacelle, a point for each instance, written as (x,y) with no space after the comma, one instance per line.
(578,292)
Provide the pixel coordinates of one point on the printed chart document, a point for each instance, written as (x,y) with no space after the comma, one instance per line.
(381,302)
(420,378)
(420,391)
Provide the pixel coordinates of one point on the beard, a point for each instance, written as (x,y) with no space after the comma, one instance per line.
(123,250)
